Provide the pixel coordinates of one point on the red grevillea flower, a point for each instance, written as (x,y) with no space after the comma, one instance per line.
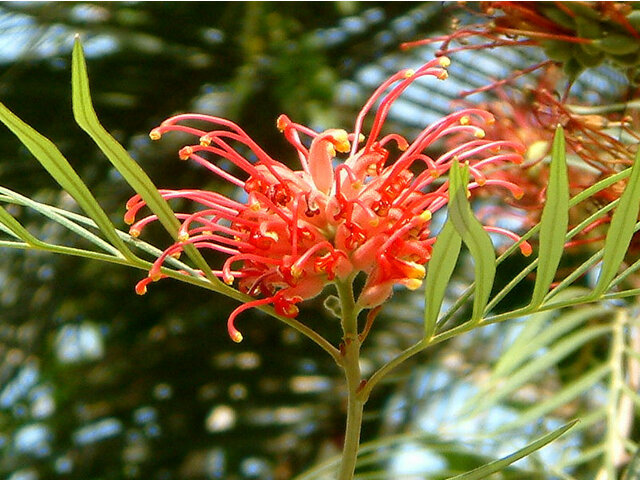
(299,230)
(578,35)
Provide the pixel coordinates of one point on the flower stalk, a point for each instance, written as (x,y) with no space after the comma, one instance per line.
(350,362)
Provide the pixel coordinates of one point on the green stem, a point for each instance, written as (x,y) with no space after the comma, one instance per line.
(350,352)
(614,450)
(393,363)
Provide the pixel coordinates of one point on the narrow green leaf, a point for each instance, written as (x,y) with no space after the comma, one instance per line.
(547,332)
(591,419)
(634,267)
(575,200)
(443,260)
(558,399)
(633,395)
(632,471)
(498,465)
(10,224)
(560,350)
(8,231)
(52,213)
(554,221)
(533,326)
(586,455)
(621,230)
(474,237)
(59,168)
(16,227)
(86,117)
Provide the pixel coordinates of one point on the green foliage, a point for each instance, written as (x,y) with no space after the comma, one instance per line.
(554,221)
(568,350)
(86,117)
(474,237)
(623,226)
(60,169)
(500,465)
(441,265)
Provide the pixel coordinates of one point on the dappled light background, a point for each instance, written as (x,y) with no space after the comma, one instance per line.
(97,382)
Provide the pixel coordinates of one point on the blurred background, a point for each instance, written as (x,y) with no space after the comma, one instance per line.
(99,383)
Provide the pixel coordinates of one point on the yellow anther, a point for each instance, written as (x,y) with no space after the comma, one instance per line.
(185,153)
(464,120)
(155,276)
(443,75)
(536,150)
(413,283)
(479,133)
(205,141)
(296,272)
(155,134)
(272,235)
(228,279)
(183,237)
(134,232)
(425,216)
(282,122)
(444,62)
(417,270)
(340,139)
(255,206)
(237,337)
(409,72)
(361,138)
(176,255)
(357,185)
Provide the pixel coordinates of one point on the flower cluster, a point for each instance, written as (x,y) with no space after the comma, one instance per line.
(578,35)
(295,231)
(599,146)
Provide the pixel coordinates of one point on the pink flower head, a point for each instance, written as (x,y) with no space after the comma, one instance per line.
(348,209)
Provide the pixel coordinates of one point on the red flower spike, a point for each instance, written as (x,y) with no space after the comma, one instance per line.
(299,230)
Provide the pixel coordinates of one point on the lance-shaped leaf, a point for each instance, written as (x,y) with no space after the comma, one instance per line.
(86,117)
(632,471)
(554,222)
(621,230)
(62,217)
(499,465)
(539,333)
(538,365)
(59,168)
(441,264)
(16,228)
(581,386)
(474,237)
